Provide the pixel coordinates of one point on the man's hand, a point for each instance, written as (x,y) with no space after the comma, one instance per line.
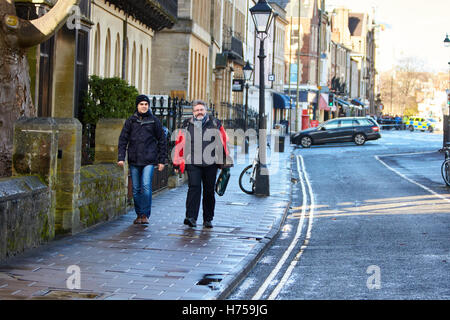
(120,164)
(161,167)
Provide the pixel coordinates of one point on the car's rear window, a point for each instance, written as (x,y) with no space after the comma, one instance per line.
(363,122)
(346,123)
(332,124)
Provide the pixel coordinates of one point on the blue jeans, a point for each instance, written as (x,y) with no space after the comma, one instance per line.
(142,177)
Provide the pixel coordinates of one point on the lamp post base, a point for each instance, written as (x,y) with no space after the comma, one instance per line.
(262,186)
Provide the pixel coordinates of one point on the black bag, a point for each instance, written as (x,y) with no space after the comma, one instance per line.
(222,181)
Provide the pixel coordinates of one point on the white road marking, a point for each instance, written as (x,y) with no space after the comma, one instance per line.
(294,262)
(288,251)
(285,279)
(404,154)
(408,179)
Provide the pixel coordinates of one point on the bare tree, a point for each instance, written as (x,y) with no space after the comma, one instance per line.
(398,86)
(16,36)
(409,72)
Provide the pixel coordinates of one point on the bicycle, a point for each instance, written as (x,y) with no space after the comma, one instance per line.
(247,177)
(445,167)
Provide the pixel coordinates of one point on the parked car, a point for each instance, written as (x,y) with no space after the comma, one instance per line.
(437,124)
(420,123)
(356,129)
(387,122)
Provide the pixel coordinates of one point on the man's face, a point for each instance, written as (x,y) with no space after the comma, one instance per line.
(142,106)
(199,111)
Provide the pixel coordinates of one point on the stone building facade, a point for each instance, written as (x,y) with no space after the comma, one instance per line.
(182,53)
(356,32)
(58,67)
(203,53)
(103,37)
(302,52)
(120,46)
(229,59)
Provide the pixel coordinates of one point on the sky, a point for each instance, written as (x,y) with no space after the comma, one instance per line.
(413,28)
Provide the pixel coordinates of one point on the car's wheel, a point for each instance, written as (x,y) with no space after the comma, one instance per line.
(306,142)
(411,128)
(430,129)
(359,139)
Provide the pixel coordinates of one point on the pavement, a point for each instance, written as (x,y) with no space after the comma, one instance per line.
(165,260)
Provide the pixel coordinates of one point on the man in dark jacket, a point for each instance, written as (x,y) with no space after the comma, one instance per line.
(144,138)
(200,148)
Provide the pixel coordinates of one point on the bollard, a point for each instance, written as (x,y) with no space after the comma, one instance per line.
(279,146)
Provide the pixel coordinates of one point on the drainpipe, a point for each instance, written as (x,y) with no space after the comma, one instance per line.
(124,56)
(298,69)
(221,27)
(274,43)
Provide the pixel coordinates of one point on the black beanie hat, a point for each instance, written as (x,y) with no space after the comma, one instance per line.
(142,97)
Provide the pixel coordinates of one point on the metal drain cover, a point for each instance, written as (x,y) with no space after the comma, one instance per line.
(63,294)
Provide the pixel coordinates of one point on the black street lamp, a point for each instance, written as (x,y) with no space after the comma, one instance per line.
(262,15)
(447,44)
(447,118)
(446,41)
(248,71)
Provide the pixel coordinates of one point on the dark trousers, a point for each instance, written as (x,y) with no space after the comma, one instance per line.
(197,176)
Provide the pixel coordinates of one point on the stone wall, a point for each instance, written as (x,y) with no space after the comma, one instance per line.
(50,193)
(26,220)
(103,194)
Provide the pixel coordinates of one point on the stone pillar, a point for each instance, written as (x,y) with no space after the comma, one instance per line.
(107,132)
(35,151)
(67,213)
(64,73)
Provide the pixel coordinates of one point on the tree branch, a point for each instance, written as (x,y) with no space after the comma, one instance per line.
(33,32)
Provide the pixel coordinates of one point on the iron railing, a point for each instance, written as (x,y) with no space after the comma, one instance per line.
(171,115)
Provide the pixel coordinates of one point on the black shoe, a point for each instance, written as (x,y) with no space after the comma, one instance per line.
(207,224)
(190,222)
(138,220)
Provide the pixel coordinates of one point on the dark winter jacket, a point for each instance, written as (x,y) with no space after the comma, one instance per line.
(185,152)
(144,139)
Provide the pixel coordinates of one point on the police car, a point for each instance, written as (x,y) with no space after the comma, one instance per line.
(420,123)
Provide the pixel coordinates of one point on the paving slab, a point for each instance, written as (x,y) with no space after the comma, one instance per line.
(165,260)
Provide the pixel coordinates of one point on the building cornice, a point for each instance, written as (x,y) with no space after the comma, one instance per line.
(150,12)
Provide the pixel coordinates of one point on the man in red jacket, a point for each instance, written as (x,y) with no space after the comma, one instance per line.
(200,149)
